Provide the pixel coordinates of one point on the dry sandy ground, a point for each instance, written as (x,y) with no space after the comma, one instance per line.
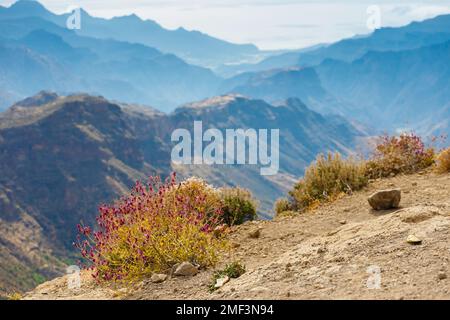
(343,250)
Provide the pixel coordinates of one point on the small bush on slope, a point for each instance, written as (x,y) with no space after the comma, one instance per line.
(403,154)
(327,178)
(443,161)
(281,206)
(155,227)
(238,205)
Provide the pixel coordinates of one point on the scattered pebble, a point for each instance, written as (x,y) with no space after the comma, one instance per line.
(442,276)
(255,234)
(412,239)
(321,250)
(221,282)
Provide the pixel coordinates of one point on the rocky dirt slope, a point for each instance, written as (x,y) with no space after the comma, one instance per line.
(331,253)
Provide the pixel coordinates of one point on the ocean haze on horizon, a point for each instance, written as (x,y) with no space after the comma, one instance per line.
(269,24)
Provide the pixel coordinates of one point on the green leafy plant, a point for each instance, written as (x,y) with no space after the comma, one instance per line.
(281,206)
(238,206)
(233,270)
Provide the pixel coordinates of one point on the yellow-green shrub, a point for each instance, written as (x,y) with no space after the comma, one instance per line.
(155,227)
(238,205)
(200,195)
(327,178)
(403,154)
(443,161)
(282,205)
(14,296)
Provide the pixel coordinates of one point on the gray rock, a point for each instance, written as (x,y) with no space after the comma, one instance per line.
(186,269)
(385,199)
(158,278)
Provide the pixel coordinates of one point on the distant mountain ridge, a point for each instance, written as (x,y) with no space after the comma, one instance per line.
(411,36)
(193,46)
(274,86)
(393,80)
(39,55)
(398,89)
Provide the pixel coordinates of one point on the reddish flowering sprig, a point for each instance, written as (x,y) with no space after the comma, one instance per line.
(135,222)
(406,153)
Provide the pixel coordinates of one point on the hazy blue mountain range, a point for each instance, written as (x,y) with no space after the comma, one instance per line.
(40,55)
(275,61)
(396,79)
(192,46)
(60,157)
(276,85)
(411,36)
(399,89)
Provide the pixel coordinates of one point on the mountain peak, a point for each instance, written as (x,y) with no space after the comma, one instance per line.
(133,17)
(26,8)
(42,98)
(296,102)
(128,18)
(30,5)
(218,101)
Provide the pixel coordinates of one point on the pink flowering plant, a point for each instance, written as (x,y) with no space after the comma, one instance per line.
(394,155)
(155,227)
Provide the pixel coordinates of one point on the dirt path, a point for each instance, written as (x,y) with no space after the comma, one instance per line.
(331,253)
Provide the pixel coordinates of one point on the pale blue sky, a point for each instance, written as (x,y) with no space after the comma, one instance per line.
(270,24)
